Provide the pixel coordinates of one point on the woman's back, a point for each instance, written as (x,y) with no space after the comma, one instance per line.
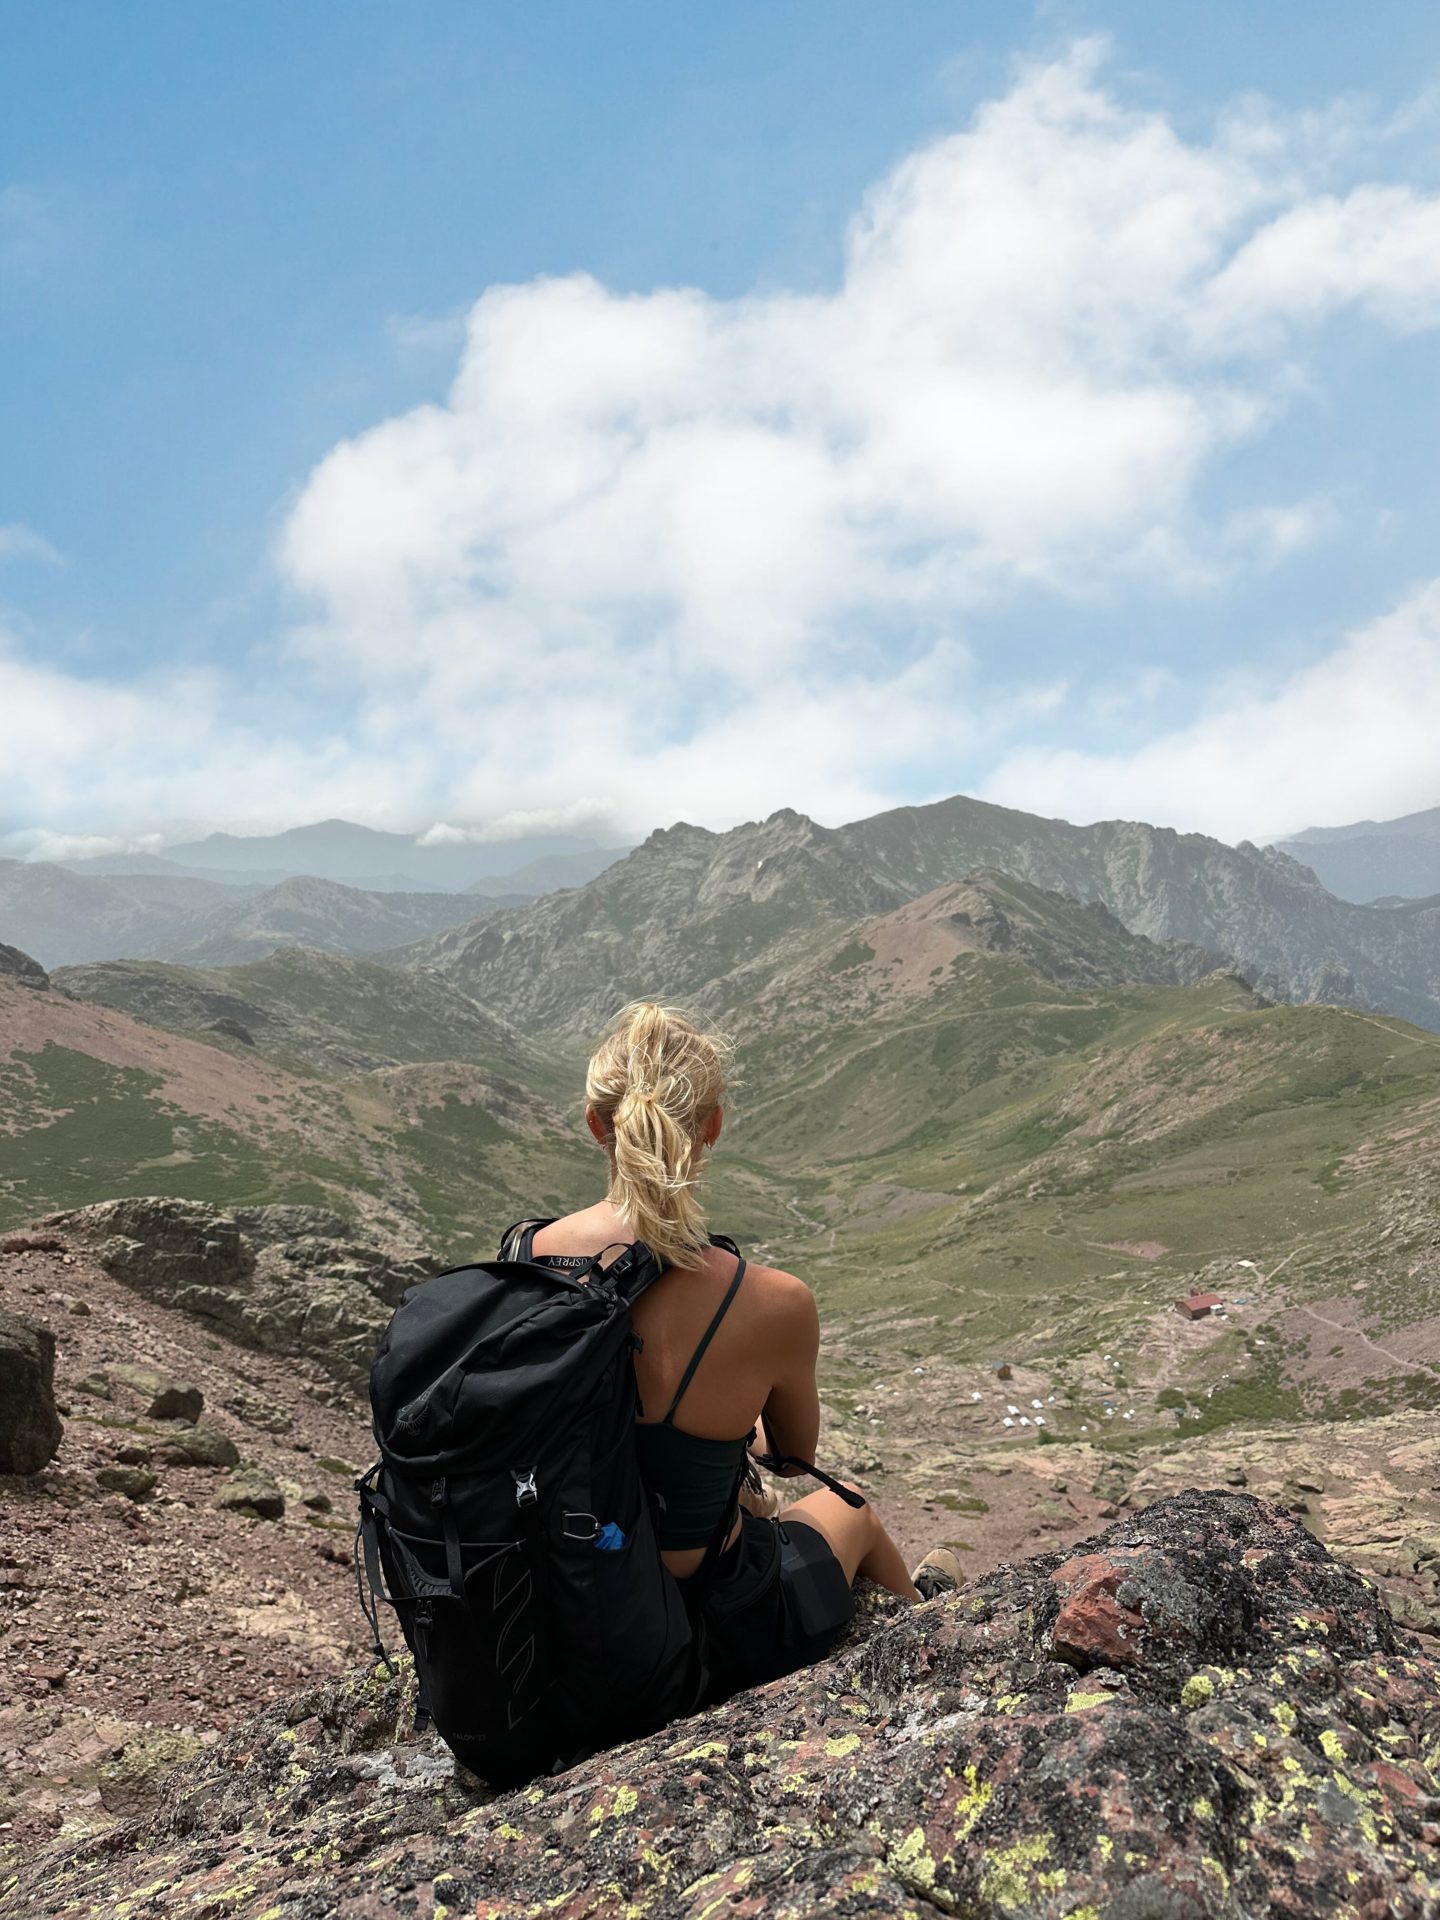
(760,1359)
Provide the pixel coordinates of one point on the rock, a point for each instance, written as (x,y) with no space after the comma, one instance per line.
(317,1500)
(133,1454)
(233,1030)
(294,1282)
(134,1782)
(31,1243)
(30,1428)
(177,1401)
(252,1490)
(136,1483)
(20,970)
(166,1398)
(97,1384)
(258,1411)
(1235,1477)
(202,1445)
(1266,1750)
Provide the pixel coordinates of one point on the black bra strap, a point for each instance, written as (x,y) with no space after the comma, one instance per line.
(705,1339)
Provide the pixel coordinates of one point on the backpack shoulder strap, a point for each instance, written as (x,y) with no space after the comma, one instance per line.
(705,1339)
(516,1241)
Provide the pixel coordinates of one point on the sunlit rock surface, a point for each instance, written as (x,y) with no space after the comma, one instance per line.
(1198,1713)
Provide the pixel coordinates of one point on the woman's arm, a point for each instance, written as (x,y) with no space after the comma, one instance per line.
(790,1421)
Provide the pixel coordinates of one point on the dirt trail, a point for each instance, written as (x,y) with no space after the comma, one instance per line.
(1355,1333)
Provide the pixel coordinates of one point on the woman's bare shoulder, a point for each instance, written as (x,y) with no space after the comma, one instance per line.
(783,1294)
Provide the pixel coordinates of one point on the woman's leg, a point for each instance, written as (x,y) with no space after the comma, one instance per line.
(857,1539)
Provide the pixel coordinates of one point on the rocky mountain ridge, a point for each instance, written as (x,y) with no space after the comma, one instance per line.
(713,913)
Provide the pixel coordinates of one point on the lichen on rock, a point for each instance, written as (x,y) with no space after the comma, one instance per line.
(980,1755)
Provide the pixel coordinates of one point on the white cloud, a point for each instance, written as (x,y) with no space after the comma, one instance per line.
(657,535)
(1350,737)
(592,815)
(19,542)
(680,556)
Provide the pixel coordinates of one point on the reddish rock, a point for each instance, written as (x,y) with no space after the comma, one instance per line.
(1092,1628)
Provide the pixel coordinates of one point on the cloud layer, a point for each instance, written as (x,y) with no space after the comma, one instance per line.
(664,555)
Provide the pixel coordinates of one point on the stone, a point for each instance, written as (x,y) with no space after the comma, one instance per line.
(136,1483)
(317,1500)
(295,1281)
(1243,1763)
(252,1490)
(133,1454)
(257,1410)
(20,970)
(30,1426)
(165,1398)
(97,1384)
(31,1243)
(201,1445)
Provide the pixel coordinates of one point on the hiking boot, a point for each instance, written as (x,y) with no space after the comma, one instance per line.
(938,1573)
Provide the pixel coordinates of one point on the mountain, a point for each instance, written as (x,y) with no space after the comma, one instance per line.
(1375,859)
(69,919)
(313,1013)
(108,865)
(65,918)
(552,872)
(363,856)
(315,913)
(267,1086)
(710,915)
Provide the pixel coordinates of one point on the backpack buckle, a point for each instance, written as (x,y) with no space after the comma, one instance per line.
(526,1491)
(591,1533)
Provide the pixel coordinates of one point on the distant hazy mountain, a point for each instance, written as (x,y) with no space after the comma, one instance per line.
(306,912)
(550,874)
(1375,859)
(362,856)
(712,916)
(68,919)
(65,918)
(133,865)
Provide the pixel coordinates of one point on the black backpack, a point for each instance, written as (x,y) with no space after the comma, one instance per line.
(509,1519)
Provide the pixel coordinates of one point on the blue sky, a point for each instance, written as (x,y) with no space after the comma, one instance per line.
(257,561)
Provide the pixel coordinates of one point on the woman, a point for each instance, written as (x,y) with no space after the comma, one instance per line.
(726,1362)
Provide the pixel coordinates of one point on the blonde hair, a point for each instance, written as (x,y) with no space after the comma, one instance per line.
(653,1082)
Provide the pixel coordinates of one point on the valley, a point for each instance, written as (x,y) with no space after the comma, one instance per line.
(992,1123)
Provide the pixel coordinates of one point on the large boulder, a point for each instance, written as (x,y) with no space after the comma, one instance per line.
(296,1282)
(30,1426)
(1197,1715)
(21,970)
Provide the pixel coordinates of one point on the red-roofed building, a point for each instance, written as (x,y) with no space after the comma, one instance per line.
(1195,1306)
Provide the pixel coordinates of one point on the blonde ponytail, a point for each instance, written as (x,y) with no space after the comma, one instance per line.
(654,1082)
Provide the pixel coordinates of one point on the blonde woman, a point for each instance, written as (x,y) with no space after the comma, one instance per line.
(725,1367)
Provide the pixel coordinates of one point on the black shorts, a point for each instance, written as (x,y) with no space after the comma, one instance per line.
(777,1600)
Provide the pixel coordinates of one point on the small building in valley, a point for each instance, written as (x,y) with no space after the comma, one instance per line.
(1195,1306)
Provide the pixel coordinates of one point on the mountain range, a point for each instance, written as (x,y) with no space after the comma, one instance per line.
(1375,859)
(364,857)
(712,915)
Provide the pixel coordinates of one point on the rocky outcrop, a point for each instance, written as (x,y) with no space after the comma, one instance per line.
(1197,1715)
(293,1284)
(712,913)
(30,1426)
(21,969)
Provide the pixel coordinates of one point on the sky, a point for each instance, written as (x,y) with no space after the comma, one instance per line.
(496,418)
